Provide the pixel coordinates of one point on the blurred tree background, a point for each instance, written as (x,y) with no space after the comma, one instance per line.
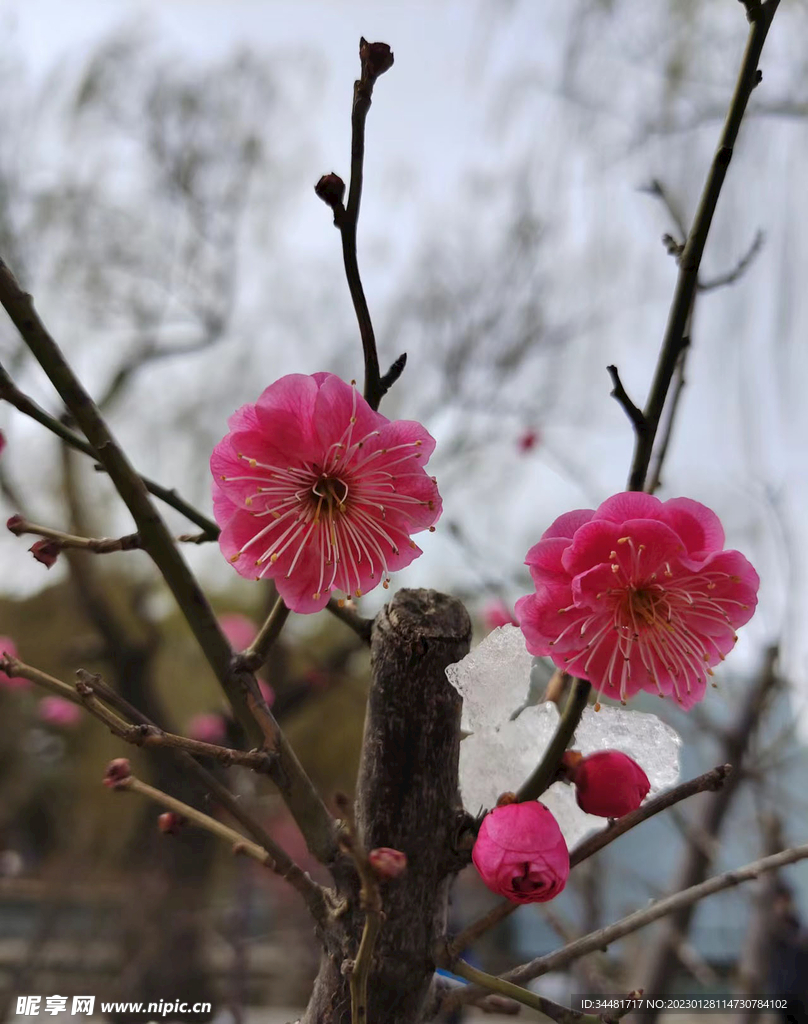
(156,198)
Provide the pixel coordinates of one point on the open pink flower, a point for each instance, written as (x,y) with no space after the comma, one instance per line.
(521,853)
(637,595)
(60,712)
(607,783)
(320,493)
(7,646)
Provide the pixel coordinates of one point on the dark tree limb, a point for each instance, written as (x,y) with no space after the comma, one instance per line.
(760,17)
(619,392)
(406,791)
(376,58)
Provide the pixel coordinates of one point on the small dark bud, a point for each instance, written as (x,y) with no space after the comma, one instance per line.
(331,189)
(170,823)
(376,59)
(13,523)
(506,798)
(46,552)
(118,772)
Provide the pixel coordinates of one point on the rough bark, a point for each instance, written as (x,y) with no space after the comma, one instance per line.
(407,798)
(659,965)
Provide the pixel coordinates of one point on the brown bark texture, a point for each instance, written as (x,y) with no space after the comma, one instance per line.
(407,798)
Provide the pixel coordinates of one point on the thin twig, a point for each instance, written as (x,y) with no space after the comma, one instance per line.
(361,626)
(647,915)
(620,393)
(690,259)
(258,651)
(141,731)
(660,452)
(371,902)
(318,899)
(240,843)
(555,1011)
(722,280)
(10,393)
(545,771)
(376,58)
(20,526)
(709,781)
(241,687)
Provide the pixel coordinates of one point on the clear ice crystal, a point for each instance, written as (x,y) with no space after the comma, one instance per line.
(500,753)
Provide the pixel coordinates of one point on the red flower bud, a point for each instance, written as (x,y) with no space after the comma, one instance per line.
(170,823)
(118,772)
(521,853)
(608,783)
(528,440)
(387,863)
(13,522)
(46,552)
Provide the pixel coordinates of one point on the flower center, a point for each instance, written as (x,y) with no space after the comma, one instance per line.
(329,491)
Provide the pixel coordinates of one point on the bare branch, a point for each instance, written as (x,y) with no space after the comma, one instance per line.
(620,393)
(376,58)
(10,393)
(545,772)
(690,259)
(240,686)
(370,901)
(710,781)
(738,270)
(258,652)
(362,627)
(647,915)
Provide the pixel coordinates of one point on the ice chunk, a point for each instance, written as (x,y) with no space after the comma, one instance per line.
(501,751)
(493,679)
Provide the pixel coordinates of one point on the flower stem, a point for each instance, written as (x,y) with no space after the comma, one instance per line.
(545,771)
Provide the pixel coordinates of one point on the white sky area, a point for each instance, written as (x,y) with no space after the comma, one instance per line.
(439,116)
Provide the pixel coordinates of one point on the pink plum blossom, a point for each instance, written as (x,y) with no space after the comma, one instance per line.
(60,712)
(608,783)
(521,853)
(637,595)
(315,490)
(239,630)
(7,646)
(207,727)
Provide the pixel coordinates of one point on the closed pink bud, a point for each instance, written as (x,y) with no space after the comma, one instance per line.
(387,863)
(170,823)
(609,784)
(521,853)
(118,773)
(46,552)
(2,441)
